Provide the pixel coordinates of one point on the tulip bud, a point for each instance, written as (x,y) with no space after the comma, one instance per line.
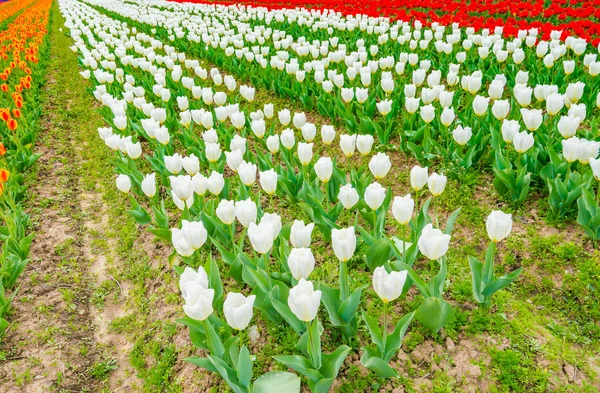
(246,212)
(418,177)
(347,144)
(501,109)
(348,196)
(364,143)
(284,117)
(299,120)
(433,243)
(234,159)
(261,236)
(301,262)
(509,129)
(327,134)
(305,152)
(268,181)
(388,286)
(554,103)
(523,141)
(238,310)
(436,184)
(427,113)
(375,194)
(384,107)
(190,278)
(447,116)
(200,184)
(462,135)
(198,302)
(149,185)
(567,126)
(380,165)
(309,131)
(498,225)
(344,243)
(304,301)
(324,169)
(226,211)
(247,173)
(402,209)
(273,144)
(287,138)
(123,183)
(480,105)
(300,234)
(532,118)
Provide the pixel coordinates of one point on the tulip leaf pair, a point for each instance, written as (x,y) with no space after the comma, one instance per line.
(483,280)
(589,214)
(233,362)
(377,359)
(509,182)
(434,312)
(562,194)
(321,379)
(342,312)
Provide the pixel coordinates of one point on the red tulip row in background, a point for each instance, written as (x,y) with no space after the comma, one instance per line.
(574,17)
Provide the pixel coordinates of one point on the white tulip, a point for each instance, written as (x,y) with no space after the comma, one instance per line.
(246,212)
(301,262)
(149,185)
(123,183)
(436,184)
(238,310)
(226,211)
(304,301)
(433,243)
(388,286)
(344,243)
(268,181)
(418,177)
(498,225)
(403,208)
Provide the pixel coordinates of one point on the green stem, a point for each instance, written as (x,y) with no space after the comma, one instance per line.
(404,243)
(384,331)
(211,345)
(417,201)
(437,221)
(344,286)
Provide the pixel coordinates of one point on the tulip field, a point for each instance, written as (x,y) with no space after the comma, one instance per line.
(299,196)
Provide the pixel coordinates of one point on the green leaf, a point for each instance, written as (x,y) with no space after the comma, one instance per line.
(477,278)
(501,282)
(347,310)
(300,364)
(333,361)
(244,367)
(394,341)
(451,221)
(370,360)
(374,330)
(277,382)
(378,253)
(205,363)
(434,313)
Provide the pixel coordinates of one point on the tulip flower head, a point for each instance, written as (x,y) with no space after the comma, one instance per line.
(388,286)
(304,301)
(433,243)
(344,243)
(301,262)
(238,310)
(498,225)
